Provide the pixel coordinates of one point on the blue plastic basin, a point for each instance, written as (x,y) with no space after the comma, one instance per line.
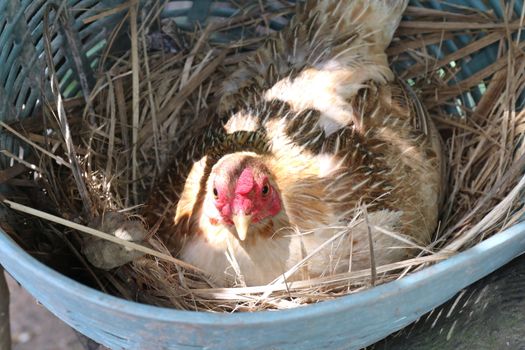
(349,322)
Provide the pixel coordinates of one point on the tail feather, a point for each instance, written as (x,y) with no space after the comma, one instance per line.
(374,20)
(345,40)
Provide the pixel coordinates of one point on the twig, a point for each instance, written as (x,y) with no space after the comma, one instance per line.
(373,271)
(79,61)
(99,234)
(21,161)
(107,13)
(63,122)
(58,159)
(135,106)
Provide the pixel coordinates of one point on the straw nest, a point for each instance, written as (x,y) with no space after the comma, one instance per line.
(102,153)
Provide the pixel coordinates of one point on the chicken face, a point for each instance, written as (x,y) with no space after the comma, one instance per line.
(243,195)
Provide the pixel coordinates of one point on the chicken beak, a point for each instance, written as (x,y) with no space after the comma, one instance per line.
(242,222)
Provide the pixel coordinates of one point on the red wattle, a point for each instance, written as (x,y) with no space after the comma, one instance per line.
(241,203)
(226,210)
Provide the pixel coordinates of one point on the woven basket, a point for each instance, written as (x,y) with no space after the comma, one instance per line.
(348,322)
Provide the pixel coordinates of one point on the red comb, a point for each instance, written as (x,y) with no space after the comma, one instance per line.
(245,182)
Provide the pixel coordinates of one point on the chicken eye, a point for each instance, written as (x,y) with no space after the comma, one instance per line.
(215,193)
(265,190)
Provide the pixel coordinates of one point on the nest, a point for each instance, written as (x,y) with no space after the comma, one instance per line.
(103,153)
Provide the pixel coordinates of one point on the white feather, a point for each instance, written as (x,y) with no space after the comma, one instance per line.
(265,259)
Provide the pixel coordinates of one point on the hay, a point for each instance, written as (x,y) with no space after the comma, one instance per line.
(145,104)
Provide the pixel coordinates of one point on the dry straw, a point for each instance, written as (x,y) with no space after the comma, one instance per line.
(145,104)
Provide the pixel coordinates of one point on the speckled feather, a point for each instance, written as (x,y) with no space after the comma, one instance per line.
(318,106)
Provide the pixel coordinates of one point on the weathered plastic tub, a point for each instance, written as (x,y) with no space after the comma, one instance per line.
(349,322)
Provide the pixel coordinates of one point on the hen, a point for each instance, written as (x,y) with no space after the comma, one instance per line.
(316,130)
